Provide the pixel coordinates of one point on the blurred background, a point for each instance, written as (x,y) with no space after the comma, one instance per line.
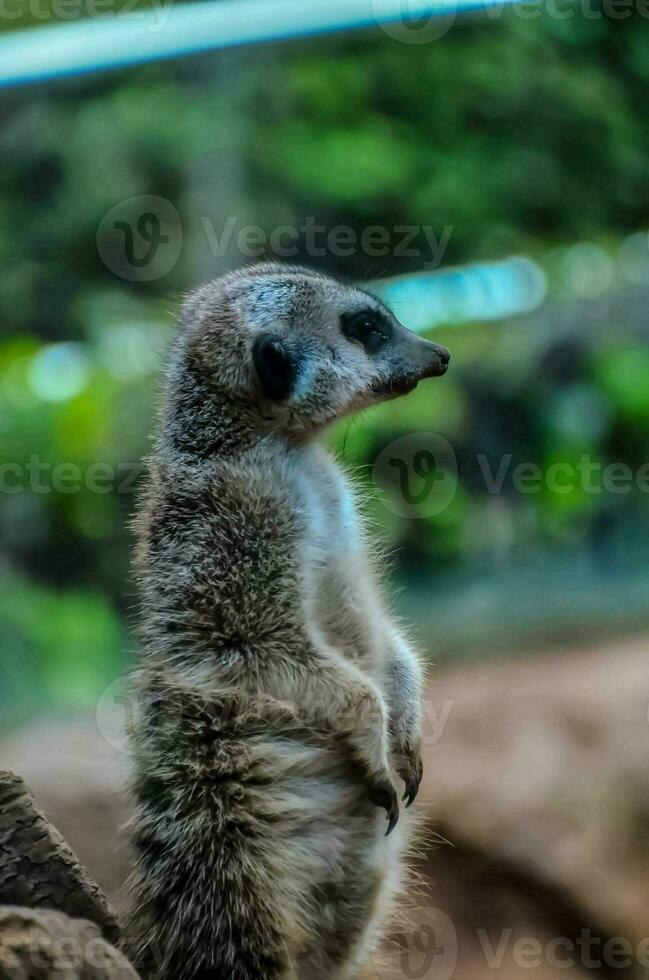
(489,176)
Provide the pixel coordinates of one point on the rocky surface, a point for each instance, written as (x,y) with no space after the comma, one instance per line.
(78,778)
(543,766)
(40,944)
(37,867)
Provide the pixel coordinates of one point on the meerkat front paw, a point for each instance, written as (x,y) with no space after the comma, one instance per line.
(382,793)
(411,769)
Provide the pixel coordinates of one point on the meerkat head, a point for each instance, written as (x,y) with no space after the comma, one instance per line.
(292,350)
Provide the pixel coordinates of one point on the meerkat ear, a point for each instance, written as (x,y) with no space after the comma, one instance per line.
(276,367)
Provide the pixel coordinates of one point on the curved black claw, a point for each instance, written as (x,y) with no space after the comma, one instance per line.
(393,819)
(412,787)
(412,779)
(384,795)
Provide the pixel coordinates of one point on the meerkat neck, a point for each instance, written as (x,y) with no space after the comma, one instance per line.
(201,422)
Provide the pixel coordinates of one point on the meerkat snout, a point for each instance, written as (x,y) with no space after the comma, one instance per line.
(416,360)
(439,360)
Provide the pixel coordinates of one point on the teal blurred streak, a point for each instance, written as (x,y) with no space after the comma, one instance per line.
(162,32)
(485,291)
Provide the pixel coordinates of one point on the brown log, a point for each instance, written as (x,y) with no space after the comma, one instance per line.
(41,943)
(37,868)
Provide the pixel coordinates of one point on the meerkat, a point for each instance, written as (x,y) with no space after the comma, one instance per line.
(278,702)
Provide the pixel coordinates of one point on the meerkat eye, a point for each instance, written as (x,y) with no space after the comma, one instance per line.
(366,327)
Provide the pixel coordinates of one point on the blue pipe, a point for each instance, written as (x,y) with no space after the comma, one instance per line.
(166,30)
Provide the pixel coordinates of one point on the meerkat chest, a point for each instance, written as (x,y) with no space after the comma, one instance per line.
(332,531)
(339,589)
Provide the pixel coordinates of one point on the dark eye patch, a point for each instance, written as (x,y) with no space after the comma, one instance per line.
(368,327)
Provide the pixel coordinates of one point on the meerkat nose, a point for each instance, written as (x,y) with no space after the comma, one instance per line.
(436,359)
(444,355)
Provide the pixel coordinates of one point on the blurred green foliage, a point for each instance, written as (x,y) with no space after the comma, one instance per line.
(520,135)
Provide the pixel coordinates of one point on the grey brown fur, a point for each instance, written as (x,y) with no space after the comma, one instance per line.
(278,704)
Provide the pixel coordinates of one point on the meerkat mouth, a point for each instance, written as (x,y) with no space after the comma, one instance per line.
(396,386)
(403,385)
